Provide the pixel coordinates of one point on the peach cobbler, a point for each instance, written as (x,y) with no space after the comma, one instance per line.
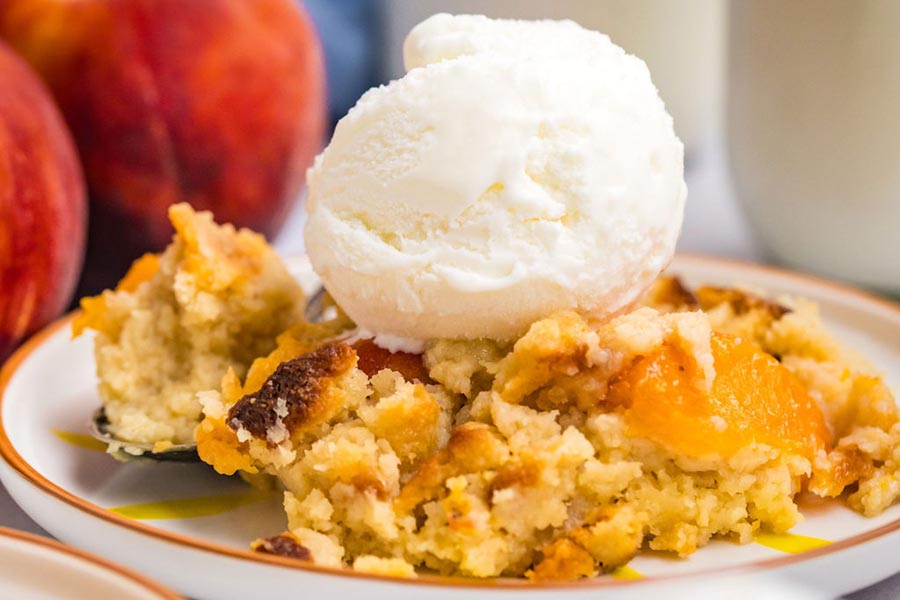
(505,384)
(557,455)
(564,453)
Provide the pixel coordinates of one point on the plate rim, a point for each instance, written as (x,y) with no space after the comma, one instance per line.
(31,475)
(82,556)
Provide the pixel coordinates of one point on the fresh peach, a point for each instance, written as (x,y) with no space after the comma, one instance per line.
(220,103)
(43,210)
(753,399)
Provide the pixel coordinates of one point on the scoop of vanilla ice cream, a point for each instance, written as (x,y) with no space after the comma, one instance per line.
(517,169)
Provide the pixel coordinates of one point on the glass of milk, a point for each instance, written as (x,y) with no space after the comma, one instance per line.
(813,129)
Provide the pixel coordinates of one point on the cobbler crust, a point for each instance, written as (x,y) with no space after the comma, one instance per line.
(509,460)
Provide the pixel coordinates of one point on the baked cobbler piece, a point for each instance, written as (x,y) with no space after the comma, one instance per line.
(213,301)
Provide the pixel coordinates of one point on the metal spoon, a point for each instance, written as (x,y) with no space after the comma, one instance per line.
(315,306)
(126,451)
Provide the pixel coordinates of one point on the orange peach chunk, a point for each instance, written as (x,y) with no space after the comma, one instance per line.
(753,399)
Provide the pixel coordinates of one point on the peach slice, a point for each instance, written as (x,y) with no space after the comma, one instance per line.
(753,399)
(373,358)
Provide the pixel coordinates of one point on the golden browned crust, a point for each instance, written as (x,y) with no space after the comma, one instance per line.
(564,560)
(411,426)
(522,474)
(668,293)
(554,348)
(300,384)
(370,483)
(741,302)
(612,536)
(609,540)
(286,545)
(473,447)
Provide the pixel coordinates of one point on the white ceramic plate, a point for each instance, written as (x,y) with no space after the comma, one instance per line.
(190,528)
(35,568)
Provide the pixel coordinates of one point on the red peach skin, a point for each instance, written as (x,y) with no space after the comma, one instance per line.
(43,210)
(220,103)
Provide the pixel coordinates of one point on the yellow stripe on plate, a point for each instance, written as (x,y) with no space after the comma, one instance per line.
(80,440)
(625,573)
(790,543)
(190,508)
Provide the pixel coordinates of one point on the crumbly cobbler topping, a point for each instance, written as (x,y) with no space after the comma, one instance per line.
(555,457)
(214,300)
(286,545)
(295,397)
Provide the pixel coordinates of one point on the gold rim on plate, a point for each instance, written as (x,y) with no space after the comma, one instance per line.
(15,460)
(148,584)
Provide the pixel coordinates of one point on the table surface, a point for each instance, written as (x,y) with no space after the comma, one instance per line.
(713,225)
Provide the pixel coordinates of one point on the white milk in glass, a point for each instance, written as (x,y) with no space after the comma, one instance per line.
(813,115)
